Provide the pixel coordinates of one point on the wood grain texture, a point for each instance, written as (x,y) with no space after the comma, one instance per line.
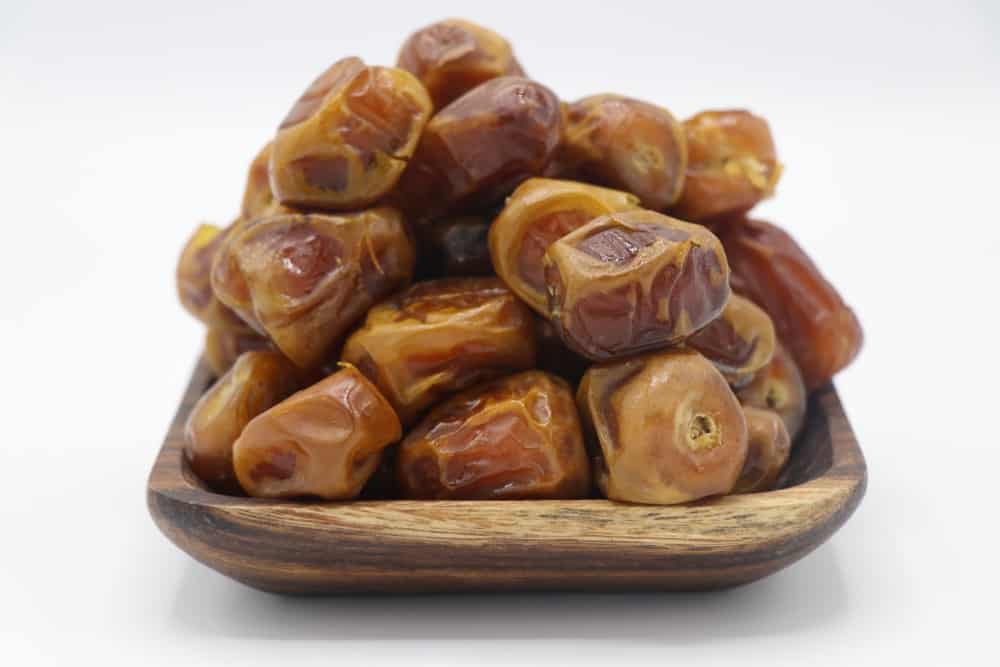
(435,546)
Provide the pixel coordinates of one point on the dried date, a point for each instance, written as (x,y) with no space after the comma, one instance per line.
(778,387)
(740,341)
(768,447)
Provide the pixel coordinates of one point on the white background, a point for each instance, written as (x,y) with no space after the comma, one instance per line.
(123,124)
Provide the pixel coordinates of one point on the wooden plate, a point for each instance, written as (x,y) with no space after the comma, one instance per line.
(424,546)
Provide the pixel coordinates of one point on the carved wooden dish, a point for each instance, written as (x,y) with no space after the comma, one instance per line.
(422,546)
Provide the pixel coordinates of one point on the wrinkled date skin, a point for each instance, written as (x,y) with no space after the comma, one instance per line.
(768,448)
(537,214)
(454,56)
(634,281)
(626,144)
(779,387)
(456,246)
(514,438)
(224,346)
(439,337)
(740,341)
(809,315)
(257,195)
(324,441)
(194,287)
(257,381)
(479,147)
(732,165)
(347,140)
(669,428)
(304,280)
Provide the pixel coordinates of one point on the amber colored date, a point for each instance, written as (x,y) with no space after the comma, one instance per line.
(439,337)
(324,441)
(224,346)
(456,246)
(454,56)
(347,140)
(809,315)
(478,148)
(538,213)
(778,387)
(514,438)
(194,288)
(732,165)
(304,280)
(740,341)
(768,448)
(634,281)
(627,144)
(257,195)
(257,380)
(669,428)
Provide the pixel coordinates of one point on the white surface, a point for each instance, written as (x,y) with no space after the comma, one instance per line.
(123,125)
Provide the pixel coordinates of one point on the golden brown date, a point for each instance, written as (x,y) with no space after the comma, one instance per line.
(809,315)
(669,428)
(778,387)
(224,346)
(324,441)
(439,337)
(634,281)
(514,438)
(537,214)
(257,195)
(257,380)
(626,144)
(740,341)
(479,147)
(456,246)
(768,447)
(346,141)
(453,56)
(304,280)
(731,165)
(194,288)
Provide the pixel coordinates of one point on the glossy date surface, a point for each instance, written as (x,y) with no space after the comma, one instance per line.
(740,341)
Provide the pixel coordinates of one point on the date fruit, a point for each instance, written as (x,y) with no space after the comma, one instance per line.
(478,148)
(457,246)
(768,447)
(454,56)
(439,337)
(626,144)
(194,288)
(778,387)
(740,341)
(224,346)
(257,381)
(537,214)
(257,195)
(514,438)
(809,315)
(669,428)
(304,280)
(347,140)
(324,441)
(731,165)
(632,282)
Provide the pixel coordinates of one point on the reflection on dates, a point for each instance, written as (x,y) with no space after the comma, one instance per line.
(347,140)
(324,441)
(809,315)
(768,447)
(537,214)
(514,438)
(634,281)
(669,428)
(479,147)
(439,337)
(779,387)
(731,166)
(454,56)
(626,144)
(740,341)
(305,279)
(257,380)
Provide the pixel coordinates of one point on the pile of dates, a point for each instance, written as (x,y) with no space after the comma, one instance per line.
(445,282)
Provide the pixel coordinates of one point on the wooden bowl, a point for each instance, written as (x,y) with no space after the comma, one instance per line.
(394,546)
